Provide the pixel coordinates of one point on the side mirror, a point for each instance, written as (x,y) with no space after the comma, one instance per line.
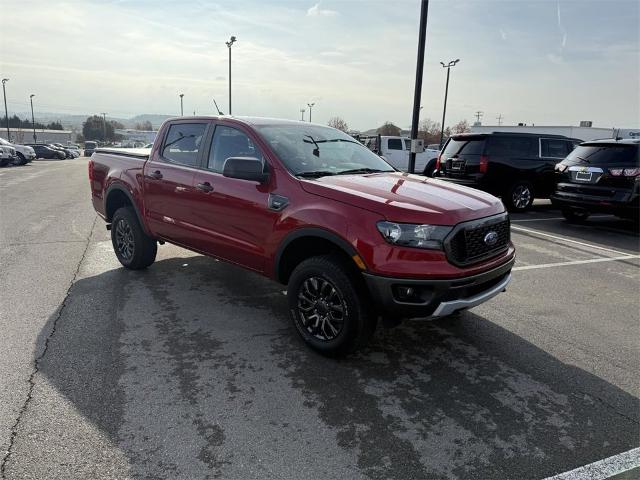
(244,168)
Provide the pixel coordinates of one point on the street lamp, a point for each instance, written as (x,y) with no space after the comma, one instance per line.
(33,120)
(6,113)
(310,105)
(231,41)
(181,105)
(446,92)
(417,92)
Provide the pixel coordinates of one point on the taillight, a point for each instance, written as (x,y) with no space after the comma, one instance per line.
(484,163)
(625,172)
(560,167)
(90,170)
(438,162)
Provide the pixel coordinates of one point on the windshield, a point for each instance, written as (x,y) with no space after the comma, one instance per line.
(90,145)
(318,151)
(4,142)
(604,154)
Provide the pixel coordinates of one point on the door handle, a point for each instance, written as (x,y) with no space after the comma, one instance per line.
(157,175)
(205,187)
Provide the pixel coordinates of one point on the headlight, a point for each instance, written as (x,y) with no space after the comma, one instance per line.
(410,235)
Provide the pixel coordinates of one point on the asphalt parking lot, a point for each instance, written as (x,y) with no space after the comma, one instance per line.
(192,369)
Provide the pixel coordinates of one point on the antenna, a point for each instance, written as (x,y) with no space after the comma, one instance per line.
(219,112)
(479,115)
(499,118)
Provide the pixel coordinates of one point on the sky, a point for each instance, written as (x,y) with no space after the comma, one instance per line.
(543,62)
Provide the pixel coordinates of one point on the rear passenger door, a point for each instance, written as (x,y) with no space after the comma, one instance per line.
(552,151)
(395,153)
(512,158)
(169,195)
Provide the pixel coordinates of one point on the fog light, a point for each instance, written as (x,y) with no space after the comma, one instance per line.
(405,292)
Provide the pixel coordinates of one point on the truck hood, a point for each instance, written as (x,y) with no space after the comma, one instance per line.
(401,197)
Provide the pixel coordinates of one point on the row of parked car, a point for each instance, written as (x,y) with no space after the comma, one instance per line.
(21,154)
(579,177)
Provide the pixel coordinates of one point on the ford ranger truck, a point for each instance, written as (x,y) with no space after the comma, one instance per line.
(353,239)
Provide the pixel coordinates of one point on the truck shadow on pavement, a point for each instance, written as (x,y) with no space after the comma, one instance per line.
(192,369)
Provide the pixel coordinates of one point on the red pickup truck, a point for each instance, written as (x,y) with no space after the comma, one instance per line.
(308,206)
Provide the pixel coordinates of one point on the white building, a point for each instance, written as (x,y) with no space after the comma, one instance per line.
(581,133)
(25,135)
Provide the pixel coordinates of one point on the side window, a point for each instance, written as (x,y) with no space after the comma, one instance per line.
(183,142)
(394,144)
(512,147)
(228,142)
(554,148)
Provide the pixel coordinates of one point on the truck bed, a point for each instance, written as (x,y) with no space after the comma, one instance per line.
(142,153)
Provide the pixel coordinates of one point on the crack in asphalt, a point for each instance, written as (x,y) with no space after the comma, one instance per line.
(36,368)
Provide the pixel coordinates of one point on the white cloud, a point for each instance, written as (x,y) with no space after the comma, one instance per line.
(503,34)
(316,11)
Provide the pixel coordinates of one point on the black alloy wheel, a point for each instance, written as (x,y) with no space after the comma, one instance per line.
(322,308)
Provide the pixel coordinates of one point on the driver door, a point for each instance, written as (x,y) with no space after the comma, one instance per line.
(233,214)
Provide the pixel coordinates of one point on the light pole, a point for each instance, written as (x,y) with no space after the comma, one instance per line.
(33,119)
(181,106)
(231,41)
(417,93)
(302,110)
(104,126)
(446,92)
(310,105)
(6,113)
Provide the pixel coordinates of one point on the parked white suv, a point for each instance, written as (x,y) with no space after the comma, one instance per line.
(22,154)
(395,150)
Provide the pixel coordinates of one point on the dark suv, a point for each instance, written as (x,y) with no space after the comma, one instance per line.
(515,166)
(599,176)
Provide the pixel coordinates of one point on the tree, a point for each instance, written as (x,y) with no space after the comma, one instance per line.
(389,129)
(55,126)
(429,131)
(93,128)
(339,123)
(146,125)
(461,127)
(80,138)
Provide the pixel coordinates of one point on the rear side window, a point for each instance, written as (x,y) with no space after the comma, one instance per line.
(395,144)
(465,146)
(513,146)
(606,154)
(183,143)
(553,148)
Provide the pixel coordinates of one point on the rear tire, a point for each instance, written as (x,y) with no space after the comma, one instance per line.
(519,196)
(134,248)
(21,159)
(328,305)
(575,216)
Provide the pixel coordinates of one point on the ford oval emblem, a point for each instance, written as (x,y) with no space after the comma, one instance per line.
(491,238)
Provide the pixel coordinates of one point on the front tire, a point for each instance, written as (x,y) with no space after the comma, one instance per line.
(328,306)
(519,197)
(133,247)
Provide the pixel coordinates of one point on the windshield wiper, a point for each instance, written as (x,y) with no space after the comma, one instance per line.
(316,151)
(315,174)
(362,170)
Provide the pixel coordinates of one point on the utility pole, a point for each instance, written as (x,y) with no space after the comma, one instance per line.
(302,110)
(231,41)
(499,118)
(479,115)
(104,126)
(181,107)
(6,112)
(310,105)
(33,119)
(417,94)
(446,94)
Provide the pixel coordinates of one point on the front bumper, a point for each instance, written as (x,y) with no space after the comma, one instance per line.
(436,298)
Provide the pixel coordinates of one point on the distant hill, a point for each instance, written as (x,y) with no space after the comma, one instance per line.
(74,121)
(156,120)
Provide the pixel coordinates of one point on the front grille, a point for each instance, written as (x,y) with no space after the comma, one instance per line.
(467,244)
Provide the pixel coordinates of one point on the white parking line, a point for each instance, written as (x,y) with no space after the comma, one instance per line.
(623,462)
(574,262)
(554,218)
(563,239)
